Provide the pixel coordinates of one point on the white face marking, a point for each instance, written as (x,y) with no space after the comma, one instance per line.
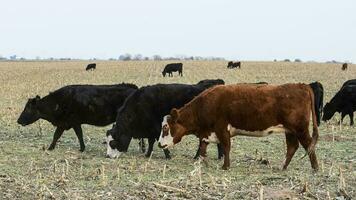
(273,129)
(166,141)
(112,153)
(212,138)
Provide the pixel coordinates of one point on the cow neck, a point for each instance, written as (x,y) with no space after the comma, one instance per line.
(46,107)
(187,118)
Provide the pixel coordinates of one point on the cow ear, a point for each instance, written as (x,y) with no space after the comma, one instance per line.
(38,97)
(174,115)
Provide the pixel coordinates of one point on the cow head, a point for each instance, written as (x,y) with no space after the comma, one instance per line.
(116,144)
(328,111)
(31,112)
(164,73)
(172,131)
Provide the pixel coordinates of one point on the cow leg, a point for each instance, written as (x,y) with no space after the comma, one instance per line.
(198,151)
(351,114)
(151,141)
(57,134)
(220,151)
(305,140)
(226,146)
(343,114)
(203,146)
(142,145)
(292,146)
(79,132)
(167,154)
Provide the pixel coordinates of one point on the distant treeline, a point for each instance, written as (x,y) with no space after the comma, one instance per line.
(123,57)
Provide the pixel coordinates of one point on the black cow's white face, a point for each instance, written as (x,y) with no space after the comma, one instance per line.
(31,112)
(112,150)
(116,146)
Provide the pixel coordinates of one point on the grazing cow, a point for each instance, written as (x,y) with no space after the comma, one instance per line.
(73,105)
(246,109)
(343,102)
(91,66)
(318,91)
(344,67)
(173,67)
(143,111)
(231,65)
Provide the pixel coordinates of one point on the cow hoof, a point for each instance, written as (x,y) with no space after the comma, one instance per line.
(225,168)
(168,157)
(81,150)
(50,148)
(147,155)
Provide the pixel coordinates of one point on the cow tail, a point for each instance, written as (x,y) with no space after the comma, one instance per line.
(315,135)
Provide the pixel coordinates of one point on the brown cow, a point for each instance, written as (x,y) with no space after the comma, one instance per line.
(246,109)
(344,67)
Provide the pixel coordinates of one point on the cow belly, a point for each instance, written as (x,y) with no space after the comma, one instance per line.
(262,133)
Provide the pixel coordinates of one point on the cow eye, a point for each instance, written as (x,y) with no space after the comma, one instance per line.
(165,127)
(113,144)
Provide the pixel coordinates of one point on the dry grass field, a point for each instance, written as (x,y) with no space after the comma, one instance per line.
(28,171)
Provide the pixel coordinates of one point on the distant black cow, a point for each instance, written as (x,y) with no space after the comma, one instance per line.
(142,113)
(343,102)
(231,65)
(91,66)
(344,67)
(173,67)
(73,105)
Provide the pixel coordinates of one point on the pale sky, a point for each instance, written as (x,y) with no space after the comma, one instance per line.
(319,30)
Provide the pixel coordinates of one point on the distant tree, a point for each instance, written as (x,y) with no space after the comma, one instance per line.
(111,59)
(125,57)
(286,60)
(146,58)
(137,57)
(13,57)
(3,58)
(275,60)
(297,60)
(157,57)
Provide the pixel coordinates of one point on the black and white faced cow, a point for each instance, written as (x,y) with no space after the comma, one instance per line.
(143,111)
(74,105)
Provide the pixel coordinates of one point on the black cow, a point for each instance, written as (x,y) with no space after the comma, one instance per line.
(318,91)
(173,67)
(344,67)
(343,102)
(142,113)
(73,105)
(91,66)
(231,65)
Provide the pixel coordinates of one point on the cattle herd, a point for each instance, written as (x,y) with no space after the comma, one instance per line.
(210,110)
